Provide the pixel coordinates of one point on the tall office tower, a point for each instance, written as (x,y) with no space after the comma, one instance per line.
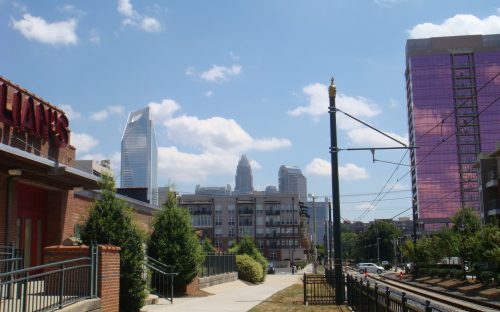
(453,114)
(139,158)
(244,178)
(291,180)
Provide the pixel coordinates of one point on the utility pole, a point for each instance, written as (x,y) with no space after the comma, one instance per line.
(314,237)
(395,254)
(337,249)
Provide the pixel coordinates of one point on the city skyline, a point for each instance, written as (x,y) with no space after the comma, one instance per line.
(225,79)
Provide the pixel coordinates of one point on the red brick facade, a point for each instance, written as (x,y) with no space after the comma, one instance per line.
(108,287)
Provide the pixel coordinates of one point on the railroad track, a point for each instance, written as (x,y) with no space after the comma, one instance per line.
(460,302)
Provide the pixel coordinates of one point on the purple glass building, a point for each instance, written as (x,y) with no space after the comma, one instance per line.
(453,90)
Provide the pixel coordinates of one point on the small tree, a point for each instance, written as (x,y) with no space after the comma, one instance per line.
(174,242)
(110,222)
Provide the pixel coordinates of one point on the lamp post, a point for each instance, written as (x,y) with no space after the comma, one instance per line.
(337,249)
(314,238)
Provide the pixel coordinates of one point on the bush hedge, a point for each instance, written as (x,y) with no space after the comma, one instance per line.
(248,269)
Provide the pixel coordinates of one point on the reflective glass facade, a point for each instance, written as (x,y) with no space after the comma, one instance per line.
(452,117)
(139,154)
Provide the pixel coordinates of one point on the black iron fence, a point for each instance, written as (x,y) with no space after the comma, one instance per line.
(365,297)
(219,263)
(319,289)
(50,286)
(160,278)
(11,259)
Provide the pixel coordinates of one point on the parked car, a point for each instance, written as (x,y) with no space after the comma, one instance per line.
(385,263)
(270,269)
(369,268)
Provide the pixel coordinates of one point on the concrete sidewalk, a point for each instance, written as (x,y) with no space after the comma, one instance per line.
(233,296)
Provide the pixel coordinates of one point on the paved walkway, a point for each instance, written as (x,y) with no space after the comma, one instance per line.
(234,296)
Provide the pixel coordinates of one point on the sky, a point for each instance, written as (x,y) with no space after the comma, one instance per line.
(226,78)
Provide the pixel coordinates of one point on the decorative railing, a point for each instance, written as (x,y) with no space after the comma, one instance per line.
(50,286)
(11,259)
(218,263)
(319,289)
(362,296)
(160,278)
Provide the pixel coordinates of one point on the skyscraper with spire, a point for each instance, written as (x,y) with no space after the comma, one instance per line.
(244,178)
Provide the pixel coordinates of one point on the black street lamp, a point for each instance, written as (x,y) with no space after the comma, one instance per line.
(337,249)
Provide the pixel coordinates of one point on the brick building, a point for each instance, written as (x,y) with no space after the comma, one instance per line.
(43,196)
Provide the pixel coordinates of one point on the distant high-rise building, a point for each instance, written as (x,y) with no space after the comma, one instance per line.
(244,178)
(291,180)
(139,155)
(452,84)
(213,190)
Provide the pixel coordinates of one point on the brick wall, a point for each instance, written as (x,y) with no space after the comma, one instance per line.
(108,288)
(109,277)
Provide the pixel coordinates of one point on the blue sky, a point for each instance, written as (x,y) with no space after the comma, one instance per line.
(225,78)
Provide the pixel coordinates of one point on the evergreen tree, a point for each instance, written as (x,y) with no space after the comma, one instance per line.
(110,222)
(174,242)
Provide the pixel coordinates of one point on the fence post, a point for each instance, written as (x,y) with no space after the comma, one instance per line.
(376,296)
(305,292)
(387,299)
(403,301)
(61,293)
(428,306)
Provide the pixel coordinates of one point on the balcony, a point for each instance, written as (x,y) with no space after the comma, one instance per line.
(493,204)
(245,223)
(272,212)
(201,212)
(245,211)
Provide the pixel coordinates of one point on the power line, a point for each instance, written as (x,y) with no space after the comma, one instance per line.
(368,201)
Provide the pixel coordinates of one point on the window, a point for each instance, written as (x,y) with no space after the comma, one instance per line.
(218,232)
(231,221)
(218,221)
(231,233)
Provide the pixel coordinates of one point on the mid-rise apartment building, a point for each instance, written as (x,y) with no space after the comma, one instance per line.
(274,220)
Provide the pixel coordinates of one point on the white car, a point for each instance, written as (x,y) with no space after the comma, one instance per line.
(369,268)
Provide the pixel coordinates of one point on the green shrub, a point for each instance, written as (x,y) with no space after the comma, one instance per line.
(246,246)
(248,269)
(443,272)
(110,222)
(387,266)
(423,271)
(456,273)
(300,264)
(486,278)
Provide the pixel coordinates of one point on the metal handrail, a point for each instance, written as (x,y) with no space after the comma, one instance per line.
(159,282)
(50,286)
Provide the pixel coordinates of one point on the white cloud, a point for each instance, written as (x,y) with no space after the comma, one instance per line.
(219,143)
(186,167)
(125,8)
(209,93)
(217,73)
(36,28)
(83,142)
(349,172)
(217,134)
(105,113)
(370,138)
(133,18)
(460,24)
(393,103)
(99,116)
(73,10)
(163,111)
(319,101)
(150,24)
(70,112)
(94,37)
(190,71)
(234,56)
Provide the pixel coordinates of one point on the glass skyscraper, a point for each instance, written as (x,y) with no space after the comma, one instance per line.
(291,180)
(453,114)
(139,155)
(244,178)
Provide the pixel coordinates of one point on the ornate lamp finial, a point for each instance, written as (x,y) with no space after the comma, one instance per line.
(332,90)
